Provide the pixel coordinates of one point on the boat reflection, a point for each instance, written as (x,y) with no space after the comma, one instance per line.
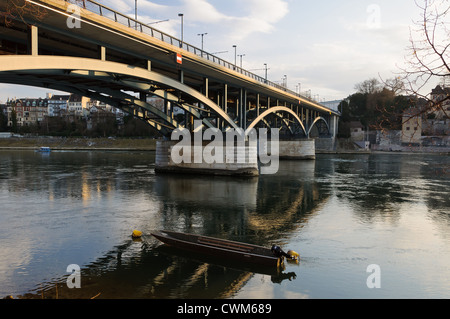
(277,274)
(142,268)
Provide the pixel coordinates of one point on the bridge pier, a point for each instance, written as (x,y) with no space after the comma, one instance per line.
(226,161)
(303,149)
(325,144)
(243,161)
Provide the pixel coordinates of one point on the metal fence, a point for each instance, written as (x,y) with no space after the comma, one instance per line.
(123,19)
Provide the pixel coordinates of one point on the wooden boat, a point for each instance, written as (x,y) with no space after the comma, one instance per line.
(237,251)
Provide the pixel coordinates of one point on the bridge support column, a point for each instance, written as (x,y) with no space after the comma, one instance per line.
(329,143)
(257,104)
(244,163)
(297,149)
(224,103)
(33,43)
(101,52)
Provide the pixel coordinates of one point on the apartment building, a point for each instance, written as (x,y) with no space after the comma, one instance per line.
(27,111)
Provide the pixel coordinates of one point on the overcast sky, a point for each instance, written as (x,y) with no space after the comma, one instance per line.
(326,46)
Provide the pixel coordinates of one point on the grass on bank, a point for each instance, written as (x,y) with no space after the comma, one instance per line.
(79,143)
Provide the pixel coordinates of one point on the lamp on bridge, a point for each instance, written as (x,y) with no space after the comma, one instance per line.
(135,13)
(265,66)
(158,21)
(202,35)
(182,27)
(241,55)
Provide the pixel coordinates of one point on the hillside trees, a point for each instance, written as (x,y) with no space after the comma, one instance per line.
(375,105)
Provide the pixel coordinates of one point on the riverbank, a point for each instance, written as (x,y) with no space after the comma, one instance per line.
(82,144)
(149,144)
(347,146)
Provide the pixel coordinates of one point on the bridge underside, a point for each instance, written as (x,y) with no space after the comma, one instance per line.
(128,88)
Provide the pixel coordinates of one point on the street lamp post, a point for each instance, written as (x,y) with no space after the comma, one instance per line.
(241,55)
(265,66)
(202,35)
(135,13)
(235,56)
(182,27)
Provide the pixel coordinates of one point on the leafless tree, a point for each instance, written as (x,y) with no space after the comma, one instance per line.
(16,10)
(369,86)
(428,58)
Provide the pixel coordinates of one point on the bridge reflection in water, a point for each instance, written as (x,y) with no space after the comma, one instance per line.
(260,210)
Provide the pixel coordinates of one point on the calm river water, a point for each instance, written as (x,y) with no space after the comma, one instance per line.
(342,213)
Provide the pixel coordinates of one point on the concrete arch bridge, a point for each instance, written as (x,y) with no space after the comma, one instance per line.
(94,51)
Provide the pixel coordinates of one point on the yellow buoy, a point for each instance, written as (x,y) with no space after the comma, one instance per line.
(293,255)
(136,234)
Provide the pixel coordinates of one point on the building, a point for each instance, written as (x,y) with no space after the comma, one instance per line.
(3,109)
(99,105)
(440,95)
(27,111)
(77,105)
(57,104)
(412,126)
(356,131)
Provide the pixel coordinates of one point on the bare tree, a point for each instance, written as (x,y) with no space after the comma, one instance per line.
(428,58)
(16,10)
(368,86)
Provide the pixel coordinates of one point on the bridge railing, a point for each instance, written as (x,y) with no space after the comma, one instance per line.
(123,19)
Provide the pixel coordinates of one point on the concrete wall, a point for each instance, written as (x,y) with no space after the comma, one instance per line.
(325,144)
(392,141)
(5,134)
(297,149)
(245,162)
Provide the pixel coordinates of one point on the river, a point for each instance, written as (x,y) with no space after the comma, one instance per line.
(366,226)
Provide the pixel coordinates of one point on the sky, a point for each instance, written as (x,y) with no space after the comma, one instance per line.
(324,47)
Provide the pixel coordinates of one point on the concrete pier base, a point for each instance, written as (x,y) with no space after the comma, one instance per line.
(243,163)
(325,144)
(297,149)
